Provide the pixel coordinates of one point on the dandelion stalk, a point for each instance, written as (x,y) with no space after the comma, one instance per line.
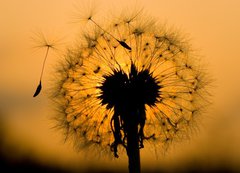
(133,149)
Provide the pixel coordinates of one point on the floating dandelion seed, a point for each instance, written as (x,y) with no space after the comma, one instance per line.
(131,82)
(42,42)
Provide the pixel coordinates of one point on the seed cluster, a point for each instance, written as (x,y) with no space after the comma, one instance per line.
(100,76)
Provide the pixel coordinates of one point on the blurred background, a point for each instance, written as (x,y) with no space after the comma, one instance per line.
(28,142)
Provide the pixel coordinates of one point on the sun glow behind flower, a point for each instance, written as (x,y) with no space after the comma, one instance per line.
(216,144)
(126,49)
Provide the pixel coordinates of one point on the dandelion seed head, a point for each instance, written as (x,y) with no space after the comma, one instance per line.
(100,81)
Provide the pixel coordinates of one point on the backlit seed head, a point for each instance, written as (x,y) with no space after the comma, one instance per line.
(134,71)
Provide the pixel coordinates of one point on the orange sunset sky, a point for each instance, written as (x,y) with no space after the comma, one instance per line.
(25,126)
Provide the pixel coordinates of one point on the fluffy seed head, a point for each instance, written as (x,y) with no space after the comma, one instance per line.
(132,66)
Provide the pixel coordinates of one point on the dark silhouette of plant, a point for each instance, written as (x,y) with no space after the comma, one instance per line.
(127,83)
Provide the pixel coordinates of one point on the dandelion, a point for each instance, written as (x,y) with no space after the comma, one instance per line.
(130,82)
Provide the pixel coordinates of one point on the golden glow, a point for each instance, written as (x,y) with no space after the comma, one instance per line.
(214,29)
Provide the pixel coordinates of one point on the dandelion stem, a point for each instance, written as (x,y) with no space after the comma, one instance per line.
(133,148)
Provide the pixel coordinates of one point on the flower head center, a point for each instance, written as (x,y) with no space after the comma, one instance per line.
(129,92)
